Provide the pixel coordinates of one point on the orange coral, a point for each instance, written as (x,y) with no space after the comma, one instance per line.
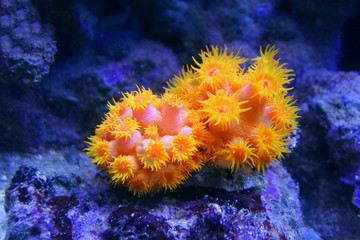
(238,152)
(182,147)
(215,110)
(152,154)
(216,67)
(249,112)
(145,142)
(223,108)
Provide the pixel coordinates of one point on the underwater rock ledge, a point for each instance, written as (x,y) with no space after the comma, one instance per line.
(71,201)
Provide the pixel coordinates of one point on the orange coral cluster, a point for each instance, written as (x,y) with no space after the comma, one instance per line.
(214,111)
(147,143)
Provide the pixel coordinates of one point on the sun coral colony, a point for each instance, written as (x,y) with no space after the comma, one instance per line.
(214,111)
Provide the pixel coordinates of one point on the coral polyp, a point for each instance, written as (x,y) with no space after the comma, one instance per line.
(122,168)
(152,154)
(223,109)
(215,111)
(238,152)
(182,148)
(216,67)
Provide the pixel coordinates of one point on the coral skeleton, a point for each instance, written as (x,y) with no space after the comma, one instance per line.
(214,111)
